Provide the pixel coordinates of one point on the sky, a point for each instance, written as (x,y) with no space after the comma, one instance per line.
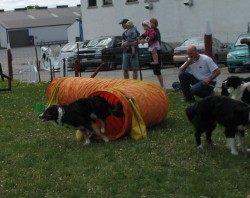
(12,4)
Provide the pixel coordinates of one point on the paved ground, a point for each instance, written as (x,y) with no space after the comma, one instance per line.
(22,55)
(170,74)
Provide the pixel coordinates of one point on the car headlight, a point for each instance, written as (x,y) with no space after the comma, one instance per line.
(230,56)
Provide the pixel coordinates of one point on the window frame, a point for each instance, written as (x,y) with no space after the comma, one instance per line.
(131,1)
(107,3)
(90,5)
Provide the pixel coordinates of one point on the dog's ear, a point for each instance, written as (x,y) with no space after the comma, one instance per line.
(234,81)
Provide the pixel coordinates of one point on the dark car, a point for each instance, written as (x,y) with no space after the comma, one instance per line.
(167,52)
(108,50)
(103,49)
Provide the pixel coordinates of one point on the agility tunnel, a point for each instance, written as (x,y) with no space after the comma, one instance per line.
(139,99)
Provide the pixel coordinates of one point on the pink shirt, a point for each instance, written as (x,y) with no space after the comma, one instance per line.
(151,33)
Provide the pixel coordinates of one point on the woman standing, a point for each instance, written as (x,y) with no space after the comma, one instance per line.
(156,67)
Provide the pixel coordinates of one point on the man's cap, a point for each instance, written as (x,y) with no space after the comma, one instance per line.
(123,21)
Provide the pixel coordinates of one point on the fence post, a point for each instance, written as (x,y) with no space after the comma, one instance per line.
(208,41)
(10,67)
(77,68)
(64,67)
(38,65)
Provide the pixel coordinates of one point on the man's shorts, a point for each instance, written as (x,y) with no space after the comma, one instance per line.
(129,63)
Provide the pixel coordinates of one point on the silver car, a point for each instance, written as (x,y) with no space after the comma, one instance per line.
(70,50)
(219,50)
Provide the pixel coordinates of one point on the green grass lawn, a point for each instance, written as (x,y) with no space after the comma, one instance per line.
(44,160)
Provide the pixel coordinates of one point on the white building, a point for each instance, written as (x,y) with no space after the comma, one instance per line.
(24,27)
(73,32)
(177,21)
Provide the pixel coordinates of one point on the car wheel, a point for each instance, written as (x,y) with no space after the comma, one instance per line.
(231,70)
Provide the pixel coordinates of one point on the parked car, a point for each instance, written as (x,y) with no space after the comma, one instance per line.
(238,56)
(108,49)
(219,50)
(98,50)
(70,50)
(167,52)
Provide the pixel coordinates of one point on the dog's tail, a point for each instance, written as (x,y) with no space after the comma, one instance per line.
(117,110)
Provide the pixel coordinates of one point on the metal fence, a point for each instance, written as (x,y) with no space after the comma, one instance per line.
(26,58)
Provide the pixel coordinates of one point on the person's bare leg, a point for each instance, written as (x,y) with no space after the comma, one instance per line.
(125,74)
(155,57)
(160,79)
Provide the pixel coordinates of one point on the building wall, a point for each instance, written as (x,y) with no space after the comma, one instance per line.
(227,18)
(50,33)
(73,32)
(3,37)
(41,34)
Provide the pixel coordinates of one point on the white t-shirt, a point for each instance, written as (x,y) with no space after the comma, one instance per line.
(202,68)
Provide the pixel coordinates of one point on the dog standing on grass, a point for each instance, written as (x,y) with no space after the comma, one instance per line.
(232,114)
(82,114)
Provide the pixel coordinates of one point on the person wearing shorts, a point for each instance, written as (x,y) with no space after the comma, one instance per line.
(129,62)
(156,67)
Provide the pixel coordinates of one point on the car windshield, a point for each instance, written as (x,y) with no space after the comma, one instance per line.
(100,42)
(70,47)
(238,43)
(193,41)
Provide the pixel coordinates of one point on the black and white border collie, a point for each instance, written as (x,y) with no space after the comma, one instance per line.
(236,88)
(82,114)
(232,114)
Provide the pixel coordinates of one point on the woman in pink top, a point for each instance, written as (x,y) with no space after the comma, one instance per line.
(153,44)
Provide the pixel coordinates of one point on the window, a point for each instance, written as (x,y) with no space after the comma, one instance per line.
(107,2)
(129,1)
(92,3)
(150,1)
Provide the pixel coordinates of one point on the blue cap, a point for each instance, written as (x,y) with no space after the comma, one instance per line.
(123,21)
